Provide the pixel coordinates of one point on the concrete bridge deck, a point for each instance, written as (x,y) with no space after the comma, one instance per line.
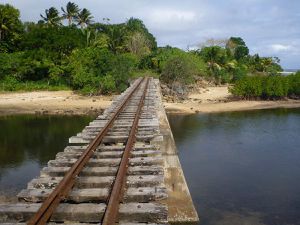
(156,191)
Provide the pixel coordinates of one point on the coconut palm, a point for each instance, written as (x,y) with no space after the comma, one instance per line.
(52,17)
(70,12)
(84,18)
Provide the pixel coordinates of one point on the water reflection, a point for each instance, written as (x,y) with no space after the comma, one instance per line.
(27,142)
(242,167)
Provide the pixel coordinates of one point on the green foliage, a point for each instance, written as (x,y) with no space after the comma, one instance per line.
(232,63)
(84,18)
(159,58)
(239,72)
(294,84)
(71,12)
(134,25)
(101,58)
(275,87)
(248,87)
(99,71)
(13,84)
(26,65)
(51,17)
(58,41)
(182,68)
(216,59)
(237,47)
(10,28)
(267,87)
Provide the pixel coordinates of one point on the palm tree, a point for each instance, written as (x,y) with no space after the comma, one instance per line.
(52,17)
(70,12)
(84,18)
(116,35)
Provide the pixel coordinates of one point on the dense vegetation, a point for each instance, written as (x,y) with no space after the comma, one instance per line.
(67,49)
(268,87)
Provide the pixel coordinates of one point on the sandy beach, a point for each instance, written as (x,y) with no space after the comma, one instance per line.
(52,102)
(208,100)
(218,99)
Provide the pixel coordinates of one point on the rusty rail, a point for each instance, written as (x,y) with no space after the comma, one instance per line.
(116,193)
(65,185)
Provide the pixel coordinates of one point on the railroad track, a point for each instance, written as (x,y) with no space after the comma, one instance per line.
(112,173)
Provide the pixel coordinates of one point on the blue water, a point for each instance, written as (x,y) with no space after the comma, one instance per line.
(242,168)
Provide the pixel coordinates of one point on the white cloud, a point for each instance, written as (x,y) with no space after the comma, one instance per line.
(280,47)
(171,19)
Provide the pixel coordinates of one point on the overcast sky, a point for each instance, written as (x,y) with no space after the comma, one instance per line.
(269,27)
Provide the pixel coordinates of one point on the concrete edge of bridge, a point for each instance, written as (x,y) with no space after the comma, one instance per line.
(181,208)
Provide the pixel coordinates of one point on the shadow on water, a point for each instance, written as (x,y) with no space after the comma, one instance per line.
(28,142)
(242,167)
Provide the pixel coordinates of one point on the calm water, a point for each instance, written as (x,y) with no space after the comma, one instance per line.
(242,168)
(28,142)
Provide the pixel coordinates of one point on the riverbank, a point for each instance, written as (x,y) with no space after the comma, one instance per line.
(208,100)
(218,99)
(52,102)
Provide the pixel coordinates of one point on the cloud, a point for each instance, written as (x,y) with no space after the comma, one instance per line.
(170,20)
(280,47)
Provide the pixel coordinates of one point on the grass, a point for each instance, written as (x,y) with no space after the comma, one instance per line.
(6,86)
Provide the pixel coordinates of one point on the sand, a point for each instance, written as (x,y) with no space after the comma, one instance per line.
(208,100)
(218,99)
(51,102)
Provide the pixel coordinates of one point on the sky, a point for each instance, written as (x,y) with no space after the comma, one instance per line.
(269,27)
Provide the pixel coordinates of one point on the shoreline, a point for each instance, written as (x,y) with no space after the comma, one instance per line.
(69,103)
(231,106)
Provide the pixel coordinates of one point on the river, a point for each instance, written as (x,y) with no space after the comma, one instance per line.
(242,168)
(28,142)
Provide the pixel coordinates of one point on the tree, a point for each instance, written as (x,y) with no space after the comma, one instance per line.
(71,12)
(134,25)
(237,47)
(10,27)
(84,18)
(52,17)
(116,36)
(58,42)
(138,44)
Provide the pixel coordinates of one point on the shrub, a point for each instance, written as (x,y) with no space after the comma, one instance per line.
(275,87)
(267,87)
(182,68)
(98,71)
(13,84)
(248,87)
(294,84)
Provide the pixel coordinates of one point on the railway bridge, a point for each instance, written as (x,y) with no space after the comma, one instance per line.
(122,168)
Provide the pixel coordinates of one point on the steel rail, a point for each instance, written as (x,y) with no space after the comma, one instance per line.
(112,209)
(65,185)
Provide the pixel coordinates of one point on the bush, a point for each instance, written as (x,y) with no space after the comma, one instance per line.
(9,84)
(182,68)
(275,87)
(267,87)
(13,84)
(294,84)
(98,71)
(248,87)
(239,73)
